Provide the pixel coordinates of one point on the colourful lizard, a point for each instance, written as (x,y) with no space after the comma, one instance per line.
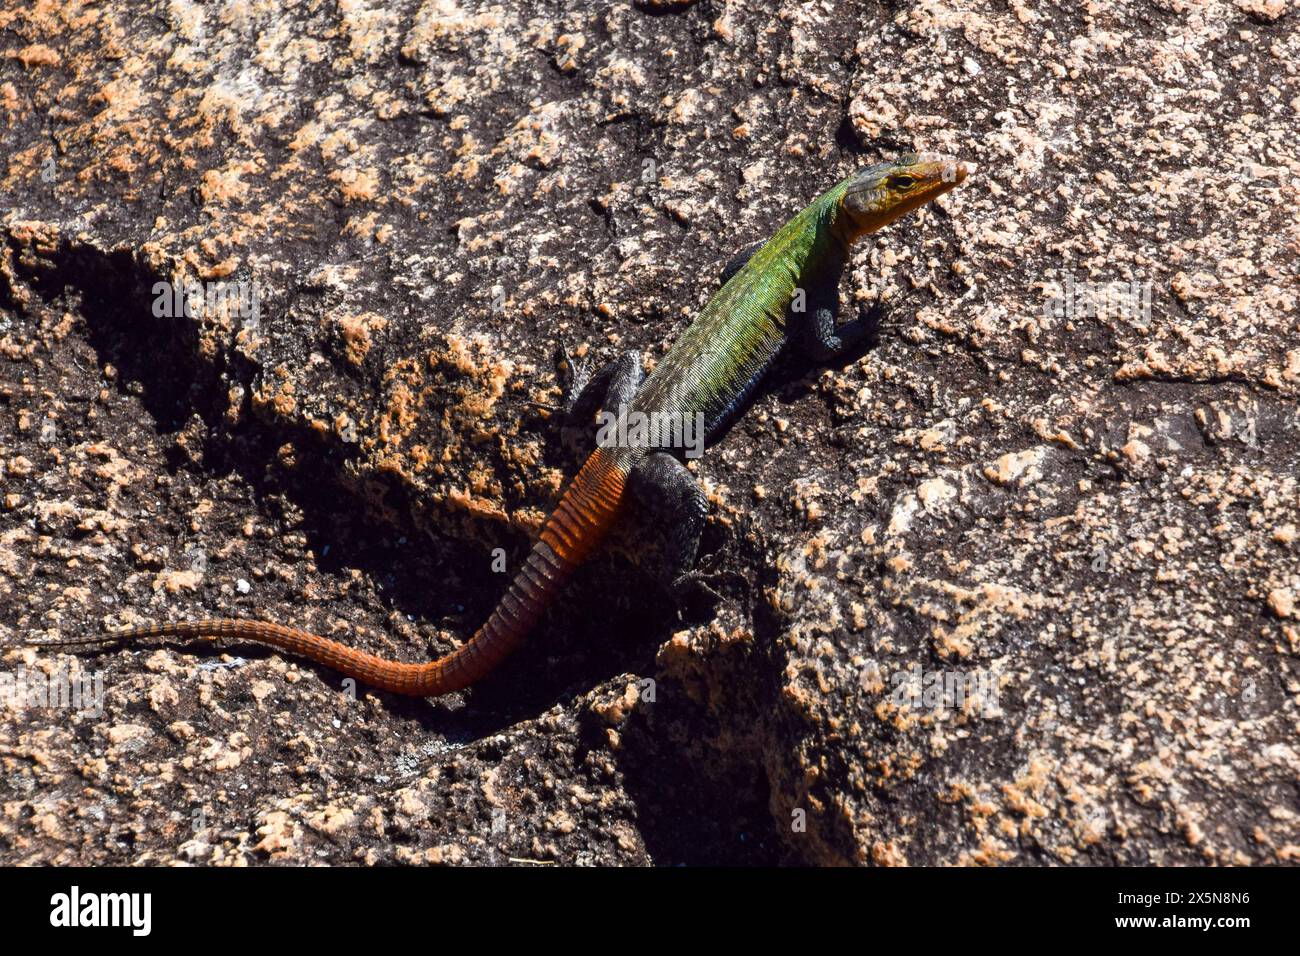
(779,293)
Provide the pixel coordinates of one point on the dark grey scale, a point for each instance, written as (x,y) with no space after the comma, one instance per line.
(536,566)
(530,587)
(511,610)
(528,595)
(669,494)
(547,562)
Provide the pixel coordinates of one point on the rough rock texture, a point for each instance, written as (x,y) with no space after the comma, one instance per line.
(1075,531)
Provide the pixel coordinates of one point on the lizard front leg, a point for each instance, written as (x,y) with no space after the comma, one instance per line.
(817,331)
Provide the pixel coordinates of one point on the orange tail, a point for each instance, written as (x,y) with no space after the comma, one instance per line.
(575,527)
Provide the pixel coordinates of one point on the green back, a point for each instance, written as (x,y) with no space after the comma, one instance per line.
(722,355)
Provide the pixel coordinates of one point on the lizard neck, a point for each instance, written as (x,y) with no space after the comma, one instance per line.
(832,243)
(841,233)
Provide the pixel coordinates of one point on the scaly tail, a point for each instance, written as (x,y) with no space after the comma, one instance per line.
(578,523)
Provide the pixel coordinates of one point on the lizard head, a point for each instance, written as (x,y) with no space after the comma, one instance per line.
(880,194)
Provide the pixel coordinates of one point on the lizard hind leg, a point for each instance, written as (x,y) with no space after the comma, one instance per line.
(667,496)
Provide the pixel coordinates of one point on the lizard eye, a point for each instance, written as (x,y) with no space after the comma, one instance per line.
(902,182)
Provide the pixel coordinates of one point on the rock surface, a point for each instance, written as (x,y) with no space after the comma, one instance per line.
(1058,500)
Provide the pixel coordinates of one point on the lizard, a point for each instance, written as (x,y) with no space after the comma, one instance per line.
(709,373)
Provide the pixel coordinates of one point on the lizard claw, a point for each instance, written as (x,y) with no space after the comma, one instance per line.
(699,585)
(579,375)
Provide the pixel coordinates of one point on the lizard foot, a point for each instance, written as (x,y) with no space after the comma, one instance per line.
(578,374)
(695,592)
